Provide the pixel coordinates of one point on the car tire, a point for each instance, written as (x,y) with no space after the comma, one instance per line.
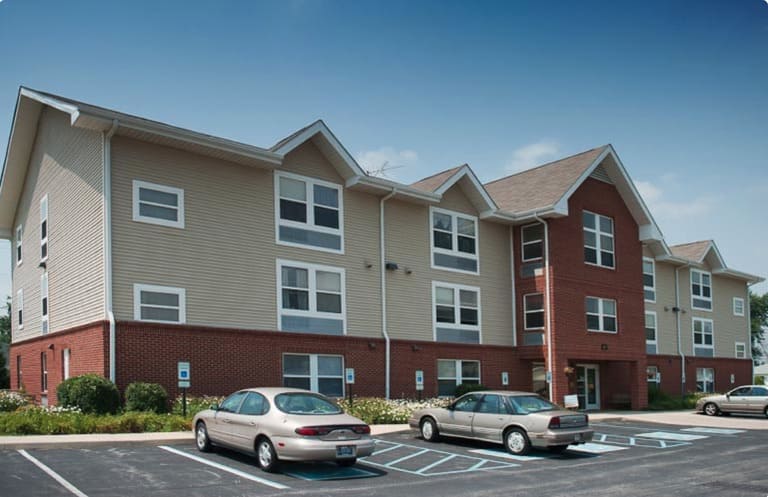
(711,409)
(428,429)
(516,442)
(345,463)
(557,449)
(765,411)
(202,441)
(266,455)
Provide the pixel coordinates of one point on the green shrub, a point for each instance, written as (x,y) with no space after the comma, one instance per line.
(468,387)
(759,380)
(90,393)
(150,397)
(195,404)
(10,401)
(377,411)
(658,400)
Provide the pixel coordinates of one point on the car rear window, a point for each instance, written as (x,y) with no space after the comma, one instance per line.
(525,404)
(305,403)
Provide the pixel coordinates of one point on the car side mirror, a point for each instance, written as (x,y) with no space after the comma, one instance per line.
(214,406)
(450,407)
(728,396)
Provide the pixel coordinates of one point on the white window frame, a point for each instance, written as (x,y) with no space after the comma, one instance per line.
(654,342)
(526,311)
(66,355)
(655,378)
(20,309)
(44,219)
(310,202)
(138,217)
(455,252)
(19,252)
(523,243)
(312,289)
(738,301)
(314,373)
(693,335)
(45,304)
(653,274)
(457,371)
(601,314)
(701,297)
(743,354)
(598,243)
(141,287)
(704,375)
(456,310)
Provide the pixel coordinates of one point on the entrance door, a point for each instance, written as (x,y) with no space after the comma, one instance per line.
(588,386)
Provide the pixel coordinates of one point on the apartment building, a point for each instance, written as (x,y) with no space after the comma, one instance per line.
(137,245)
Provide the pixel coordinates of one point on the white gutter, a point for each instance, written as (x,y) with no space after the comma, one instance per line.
(547,304)
(514,290)
(107,187)
(679,338)
(383,270)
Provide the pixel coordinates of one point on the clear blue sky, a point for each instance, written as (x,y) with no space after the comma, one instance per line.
(680,88)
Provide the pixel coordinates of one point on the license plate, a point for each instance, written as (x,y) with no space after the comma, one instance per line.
(345,451)
(577,437)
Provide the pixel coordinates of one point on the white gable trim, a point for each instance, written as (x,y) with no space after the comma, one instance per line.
(466,171)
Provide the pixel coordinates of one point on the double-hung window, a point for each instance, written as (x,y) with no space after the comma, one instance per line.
(738,306)
(158,204)
(159,304)
(20,309)
(533,242)
(456,313)
(741,350)
(703,338)
(705,380)
(701,290)
(652,375)
(310,212)
(311,298)
(44,229)
(43,372)
(44,303)
(598,240)
(452,373)
(534,311)
(601,315)
(454,241)
(19,233)
(651,333)
(319,373)
(649,279)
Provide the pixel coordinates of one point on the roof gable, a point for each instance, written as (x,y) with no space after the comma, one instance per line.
(701,252)
(465,178)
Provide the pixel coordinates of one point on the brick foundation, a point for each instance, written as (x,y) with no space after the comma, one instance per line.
(669,367)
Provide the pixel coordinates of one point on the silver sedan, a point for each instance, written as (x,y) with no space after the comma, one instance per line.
(518,420)
(283,424)
(751,399)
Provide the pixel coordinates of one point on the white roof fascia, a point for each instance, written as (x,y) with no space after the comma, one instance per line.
(714,248)
(738,275)
(562,204)
(327,134)
(386,185)
(463,171)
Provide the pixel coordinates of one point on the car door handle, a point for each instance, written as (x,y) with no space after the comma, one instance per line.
(225,420)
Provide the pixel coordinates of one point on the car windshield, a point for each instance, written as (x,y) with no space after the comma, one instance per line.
(525,404)
(305,403)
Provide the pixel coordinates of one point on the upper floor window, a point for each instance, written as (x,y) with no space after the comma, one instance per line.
(738,306)
(703,337)
(601,314)
(311,298)
(454,241)
(318,373)
(20,309)
(456,313)
(651,337)
(44,303)
(452,373)
(309,212)
(18,244)
(533,306)
(598,240)
(741,350)
(160,304)
(158,204)
(44,229)
(533,242)
(701,290)
(649,279)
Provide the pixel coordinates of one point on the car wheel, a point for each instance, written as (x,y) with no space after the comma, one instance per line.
(765,411)
(557,449)
(201,437)
(711,409)
(345,463)
(266,455)
(516,442)
(429,430)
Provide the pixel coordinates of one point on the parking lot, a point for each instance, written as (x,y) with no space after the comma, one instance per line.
(623,459)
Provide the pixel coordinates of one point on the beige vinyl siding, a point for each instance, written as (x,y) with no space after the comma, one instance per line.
(66,165)
(225,257)
(409,296)
(729,328)
(666,321)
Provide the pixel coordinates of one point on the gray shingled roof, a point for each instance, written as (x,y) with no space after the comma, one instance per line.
(432,183)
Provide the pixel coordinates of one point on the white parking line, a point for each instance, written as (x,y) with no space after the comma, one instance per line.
(665,435)
(404,458)
(64,483)
(234,471)
(436,463)
(713,431)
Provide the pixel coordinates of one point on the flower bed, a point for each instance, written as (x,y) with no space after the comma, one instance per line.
(378,411)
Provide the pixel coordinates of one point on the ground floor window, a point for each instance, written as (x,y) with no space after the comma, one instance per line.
(19,384)
(452,373)
(653,376)
(65,355)
(319,373)
(705,380)
(539,374)
(43,372)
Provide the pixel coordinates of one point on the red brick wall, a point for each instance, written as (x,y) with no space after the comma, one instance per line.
(89,353)
(669,367)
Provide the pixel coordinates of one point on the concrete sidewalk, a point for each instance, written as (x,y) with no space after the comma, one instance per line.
(677,418)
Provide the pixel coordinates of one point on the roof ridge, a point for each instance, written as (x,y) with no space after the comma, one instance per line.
(546,164)
(440,172)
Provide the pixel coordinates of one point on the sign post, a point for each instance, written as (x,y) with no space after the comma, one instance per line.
(419,382)
(349,379)
(184,378)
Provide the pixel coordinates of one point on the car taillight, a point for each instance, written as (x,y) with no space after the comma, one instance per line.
(554,422)
(586,418)
(361,429)
(312,431)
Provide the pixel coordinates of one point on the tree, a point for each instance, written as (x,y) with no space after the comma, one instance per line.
(758,307)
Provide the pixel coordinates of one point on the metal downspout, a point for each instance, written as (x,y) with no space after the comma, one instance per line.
(677,311)
(107,209)
(383,271)
(547,305)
